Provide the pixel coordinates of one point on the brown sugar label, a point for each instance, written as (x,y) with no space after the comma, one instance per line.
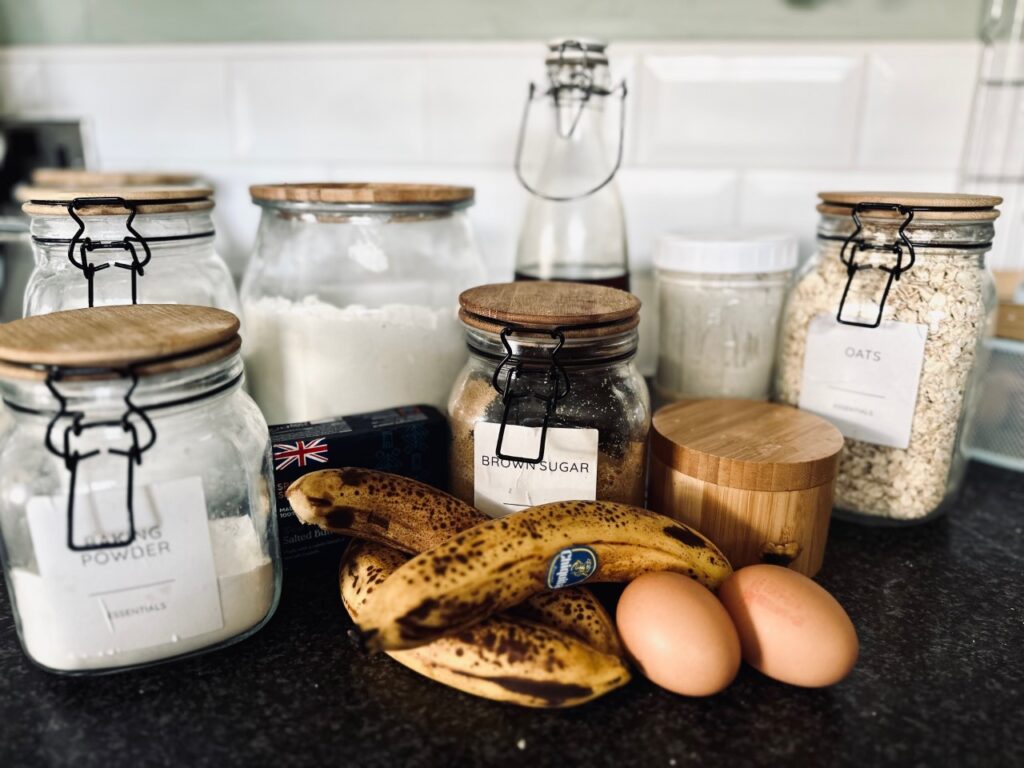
(864,380)
(505,484)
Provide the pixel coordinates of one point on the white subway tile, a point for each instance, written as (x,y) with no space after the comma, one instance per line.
(475,103)
(730,105)
(21,87)
(917,105)
(165,104)
(786,200)
(659,201)
(331,107)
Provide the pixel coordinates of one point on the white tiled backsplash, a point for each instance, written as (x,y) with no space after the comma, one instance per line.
(717,134)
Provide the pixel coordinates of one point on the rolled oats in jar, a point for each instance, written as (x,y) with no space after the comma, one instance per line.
(550,406)
(882,336)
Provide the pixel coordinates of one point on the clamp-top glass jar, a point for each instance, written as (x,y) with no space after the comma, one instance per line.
(574,228)
(124,245)
(550,406)
(137,514)
(883,335)
(350,297)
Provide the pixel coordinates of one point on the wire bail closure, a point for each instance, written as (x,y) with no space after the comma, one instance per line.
(86,245)
(581,81)
(555,376)
(72,457)
(854,243)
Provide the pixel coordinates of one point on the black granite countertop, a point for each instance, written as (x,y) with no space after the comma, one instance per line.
(939,609)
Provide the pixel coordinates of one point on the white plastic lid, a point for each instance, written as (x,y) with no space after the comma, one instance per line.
(731,252)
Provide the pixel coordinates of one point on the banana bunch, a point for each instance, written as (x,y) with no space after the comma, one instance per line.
(552,661)
(556,649)
(500,563)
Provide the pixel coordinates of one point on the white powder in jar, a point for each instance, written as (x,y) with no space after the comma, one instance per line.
(245,581)
(718,334)
(310,359)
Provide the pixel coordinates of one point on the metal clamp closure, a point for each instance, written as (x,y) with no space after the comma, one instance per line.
(581,83)
(85,245)
(853,243)
(130,422)
(555,377)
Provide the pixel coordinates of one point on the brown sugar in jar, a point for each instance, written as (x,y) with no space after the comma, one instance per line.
(554,363)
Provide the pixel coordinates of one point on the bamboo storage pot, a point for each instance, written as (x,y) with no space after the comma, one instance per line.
(754,477)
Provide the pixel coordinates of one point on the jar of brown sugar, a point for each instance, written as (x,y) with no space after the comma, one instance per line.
(550,406)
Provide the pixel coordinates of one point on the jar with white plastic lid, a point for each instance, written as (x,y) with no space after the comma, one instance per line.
(109,245)
(720,299)
(137,516)
(883,336)
(351,296)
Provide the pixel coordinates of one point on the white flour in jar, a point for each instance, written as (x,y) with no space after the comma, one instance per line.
(310,359)
(245,580)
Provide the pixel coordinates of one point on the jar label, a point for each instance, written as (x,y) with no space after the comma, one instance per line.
(864,380)
(568,469)
(98,603)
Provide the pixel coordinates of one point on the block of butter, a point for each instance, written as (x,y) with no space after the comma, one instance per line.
(410,441)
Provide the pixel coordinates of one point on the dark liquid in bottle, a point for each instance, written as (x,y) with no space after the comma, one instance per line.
(620,281)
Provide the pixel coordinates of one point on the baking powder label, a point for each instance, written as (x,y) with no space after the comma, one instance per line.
(864,380)
(567,471)
(159,589)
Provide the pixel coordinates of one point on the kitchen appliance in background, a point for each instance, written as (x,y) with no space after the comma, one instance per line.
(574,227)
(993,161)
(995,430)
(26,145)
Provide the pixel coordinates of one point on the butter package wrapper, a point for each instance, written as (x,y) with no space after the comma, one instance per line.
(410,441)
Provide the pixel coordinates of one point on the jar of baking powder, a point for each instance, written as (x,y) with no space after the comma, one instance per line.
(136,514)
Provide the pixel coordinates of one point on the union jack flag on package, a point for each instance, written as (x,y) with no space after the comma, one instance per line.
(300,453)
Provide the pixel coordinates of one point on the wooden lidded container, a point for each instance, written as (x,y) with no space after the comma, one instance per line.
(755,477)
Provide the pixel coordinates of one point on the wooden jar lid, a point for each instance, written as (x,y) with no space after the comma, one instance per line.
(154,199)
(362,193)
(151,338)
(582,310)
(946,207)
(1010,322)
(747,444)
(70,178)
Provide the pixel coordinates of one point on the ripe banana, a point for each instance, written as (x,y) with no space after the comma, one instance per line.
(500,563)
(378,506)
(413,517)
(505,658)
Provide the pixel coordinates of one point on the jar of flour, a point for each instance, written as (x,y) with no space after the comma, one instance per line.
(351,297)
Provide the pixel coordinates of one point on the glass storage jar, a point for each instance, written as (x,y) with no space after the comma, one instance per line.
(720,299)
(350,297)
(124,245)
(550,405)
(136,507)
(883,337)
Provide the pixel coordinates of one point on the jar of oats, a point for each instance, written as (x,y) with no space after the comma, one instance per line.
(882,336)
(550,406)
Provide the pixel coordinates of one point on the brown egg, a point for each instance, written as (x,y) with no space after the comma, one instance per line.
(678,634)
(791,629)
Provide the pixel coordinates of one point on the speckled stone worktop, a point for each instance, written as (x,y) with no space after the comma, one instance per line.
(939,608)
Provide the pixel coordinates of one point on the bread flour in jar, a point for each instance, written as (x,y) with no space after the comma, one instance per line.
(349,301)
